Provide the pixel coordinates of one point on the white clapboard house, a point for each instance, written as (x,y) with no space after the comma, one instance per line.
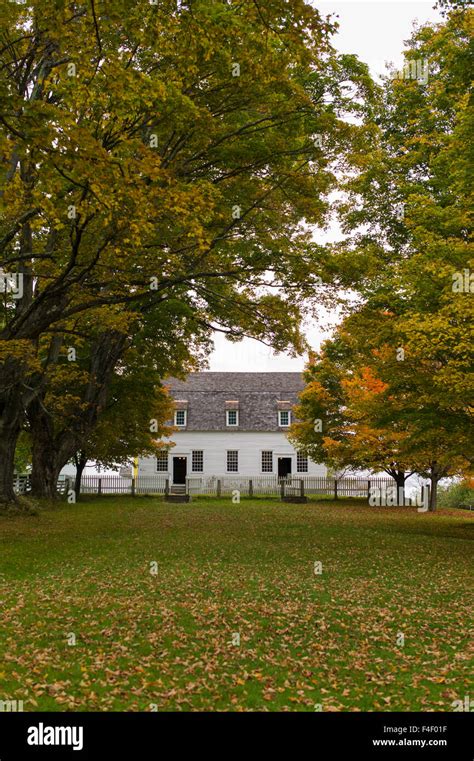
(232,424)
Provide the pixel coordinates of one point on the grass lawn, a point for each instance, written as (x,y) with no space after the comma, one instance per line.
(165,641)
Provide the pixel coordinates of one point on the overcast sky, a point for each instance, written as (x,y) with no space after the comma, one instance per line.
(375,30)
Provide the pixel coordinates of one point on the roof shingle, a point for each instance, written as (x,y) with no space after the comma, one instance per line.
(258,395)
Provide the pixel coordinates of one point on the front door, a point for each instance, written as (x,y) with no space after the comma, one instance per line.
(179,470)
(284,467)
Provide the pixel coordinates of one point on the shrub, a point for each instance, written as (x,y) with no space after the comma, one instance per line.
(459,494)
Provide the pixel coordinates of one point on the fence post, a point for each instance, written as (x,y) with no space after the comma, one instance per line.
(282,488)
(133,487)
(250,487)
(218,487)
(335,488)
(302,487)
(99,487)
(368,491)
(167,487)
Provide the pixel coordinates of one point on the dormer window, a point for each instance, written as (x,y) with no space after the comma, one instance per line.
(180,418)
(232,413)
(232,418)
(284,418)
(181,413)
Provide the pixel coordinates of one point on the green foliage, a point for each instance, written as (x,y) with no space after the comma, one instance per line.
(136,123)
(458,494)
(321,409)
(420,167)
(408,216)
(23,453)
(136,415)
(158,161)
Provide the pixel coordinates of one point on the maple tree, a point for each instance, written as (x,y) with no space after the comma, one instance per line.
(156,153)
(99,395)
(407,215)
(336,418)
(367,404)
(132,424)
(409,212)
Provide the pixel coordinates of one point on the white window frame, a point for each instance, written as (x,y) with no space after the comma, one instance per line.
(201,469)
(284,425)
(227,416)
(181,425)
(236,451)
(270,452)
(300,455)
(163,470)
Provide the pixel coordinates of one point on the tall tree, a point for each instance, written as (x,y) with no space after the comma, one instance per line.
(135,419)
(95,368)
(409,212)
(368,405)
(156,152)
(408,218)
(336,418)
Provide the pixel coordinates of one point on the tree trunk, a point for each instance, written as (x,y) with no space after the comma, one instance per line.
(45,455)
(434,478)
(50,452)
(400,479)
(53,448)
(45,471)
(80,460)
(11,419)
(8,439)
(437,471)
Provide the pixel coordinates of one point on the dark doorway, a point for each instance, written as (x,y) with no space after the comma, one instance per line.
(179,470)
(284,467)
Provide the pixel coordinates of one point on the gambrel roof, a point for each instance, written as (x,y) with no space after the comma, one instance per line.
(257,396)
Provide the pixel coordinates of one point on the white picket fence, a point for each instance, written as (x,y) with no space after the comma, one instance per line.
(156,484)
(273,486)
(261,485)
(104,484)
(225,485)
